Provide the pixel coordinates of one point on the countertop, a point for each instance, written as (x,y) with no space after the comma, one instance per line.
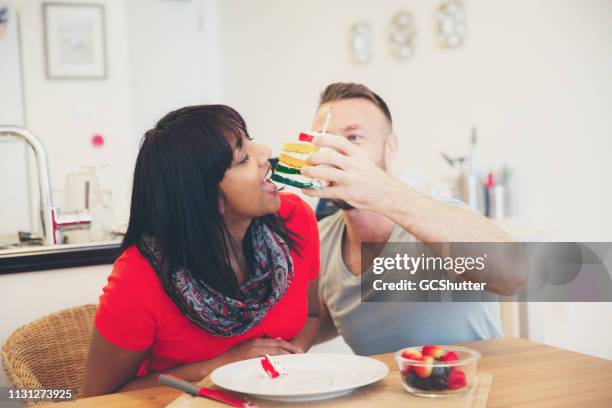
(39,258)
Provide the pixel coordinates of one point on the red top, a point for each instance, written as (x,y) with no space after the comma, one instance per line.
(135,313)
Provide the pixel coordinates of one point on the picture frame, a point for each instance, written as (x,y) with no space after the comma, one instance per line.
(74,40)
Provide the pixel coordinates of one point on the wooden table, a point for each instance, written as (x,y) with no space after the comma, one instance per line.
(525,374)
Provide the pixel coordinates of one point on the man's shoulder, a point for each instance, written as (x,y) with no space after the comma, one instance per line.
(329,225)
(330,234)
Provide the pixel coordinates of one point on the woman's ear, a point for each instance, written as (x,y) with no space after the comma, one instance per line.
(391,148)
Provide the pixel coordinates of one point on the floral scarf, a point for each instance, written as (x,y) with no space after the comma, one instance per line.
(216,312)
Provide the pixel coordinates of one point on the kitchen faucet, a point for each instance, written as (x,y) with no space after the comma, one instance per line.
(53,222)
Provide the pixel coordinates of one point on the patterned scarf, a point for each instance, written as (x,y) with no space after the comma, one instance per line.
(216,312)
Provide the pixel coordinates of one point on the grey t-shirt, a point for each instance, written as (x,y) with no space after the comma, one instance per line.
(374,328)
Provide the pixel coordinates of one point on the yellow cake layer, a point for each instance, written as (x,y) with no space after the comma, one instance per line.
(300,147)
(292,161)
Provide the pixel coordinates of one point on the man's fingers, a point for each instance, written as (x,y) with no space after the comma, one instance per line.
(323,172)
(334,141)
(329,157)
(331,192)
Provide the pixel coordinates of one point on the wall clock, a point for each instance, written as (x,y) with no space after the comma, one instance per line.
(401,35)
(451,23)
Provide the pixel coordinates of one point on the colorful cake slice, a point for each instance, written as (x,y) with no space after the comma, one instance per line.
(293,157)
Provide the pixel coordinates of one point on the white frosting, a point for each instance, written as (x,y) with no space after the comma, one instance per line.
(301,142)
(299,156)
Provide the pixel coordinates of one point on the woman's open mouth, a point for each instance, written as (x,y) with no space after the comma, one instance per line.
(268,184)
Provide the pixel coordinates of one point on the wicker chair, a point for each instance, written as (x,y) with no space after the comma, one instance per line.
(50,352)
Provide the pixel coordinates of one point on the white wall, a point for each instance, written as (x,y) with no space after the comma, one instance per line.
(534,76)
(161,55)
(66,113)
(173,57)
(582,327)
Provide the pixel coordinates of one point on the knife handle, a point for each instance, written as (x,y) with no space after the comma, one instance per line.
(218,395)
(178,383)
(225,397)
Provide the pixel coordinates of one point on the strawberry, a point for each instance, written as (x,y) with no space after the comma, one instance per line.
(434,351)
(450,356)
(456,379)
(406,370)
(305,137)
(424,370)
(412,354)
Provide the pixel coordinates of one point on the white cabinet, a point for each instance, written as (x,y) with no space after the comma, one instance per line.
(25,297)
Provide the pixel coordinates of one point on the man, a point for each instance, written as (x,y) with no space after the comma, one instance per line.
(375,207)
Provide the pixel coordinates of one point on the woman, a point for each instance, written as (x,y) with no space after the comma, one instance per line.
(217,266)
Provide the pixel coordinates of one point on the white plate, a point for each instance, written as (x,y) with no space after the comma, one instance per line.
(309,377)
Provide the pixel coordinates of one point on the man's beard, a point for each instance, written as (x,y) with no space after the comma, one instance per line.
(343,205)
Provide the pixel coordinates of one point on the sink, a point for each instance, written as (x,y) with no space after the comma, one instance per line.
(19,240)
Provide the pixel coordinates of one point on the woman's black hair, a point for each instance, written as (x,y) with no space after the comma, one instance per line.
(176,194)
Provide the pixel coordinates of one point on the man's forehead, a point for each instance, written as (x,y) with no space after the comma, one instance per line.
(340,122)
(354,126)
(350,114)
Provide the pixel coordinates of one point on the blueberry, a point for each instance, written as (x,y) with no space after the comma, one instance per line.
(438,371)
(441,372)
(418,382)
(424,383)
(439,383)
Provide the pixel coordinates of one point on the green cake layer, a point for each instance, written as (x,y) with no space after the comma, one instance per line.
(285,169)
(312,185)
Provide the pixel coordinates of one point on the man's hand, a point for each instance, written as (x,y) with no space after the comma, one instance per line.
(358,181)
(353,177)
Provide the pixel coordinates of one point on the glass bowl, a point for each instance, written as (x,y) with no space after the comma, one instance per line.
(437,371)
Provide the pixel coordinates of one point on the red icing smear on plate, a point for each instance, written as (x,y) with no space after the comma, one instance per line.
(269,368)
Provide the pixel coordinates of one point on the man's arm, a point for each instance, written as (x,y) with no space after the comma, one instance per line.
(432,221)
(435,223)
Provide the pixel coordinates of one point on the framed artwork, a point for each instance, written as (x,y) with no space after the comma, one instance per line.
(75,44)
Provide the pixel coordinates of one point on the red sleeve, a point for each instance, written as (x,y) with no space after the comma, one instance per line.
(314,244)
(125,316)
(303,219)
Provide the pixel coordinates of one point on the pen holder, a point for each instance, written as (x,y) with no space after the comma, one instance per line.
(498,202)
